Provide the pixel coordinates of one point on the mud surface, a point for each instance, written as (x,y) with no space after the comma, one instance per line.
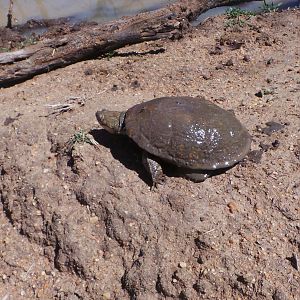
(80,222)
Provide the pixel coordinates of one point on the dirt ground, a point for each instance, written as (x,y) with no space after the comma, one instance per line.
(82,223)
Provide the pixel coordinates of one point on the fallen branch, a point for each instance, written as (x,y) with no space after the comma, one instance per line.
(94,40)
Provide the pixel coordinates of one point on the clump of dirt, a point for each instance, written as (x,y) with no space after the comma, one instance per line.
(78,219)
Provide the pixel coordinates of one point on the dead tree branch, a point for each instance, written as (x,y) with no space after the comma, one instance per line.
(95,40)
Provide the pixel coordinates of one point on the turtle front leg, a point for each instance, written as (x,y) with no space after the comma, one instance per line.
(153,168)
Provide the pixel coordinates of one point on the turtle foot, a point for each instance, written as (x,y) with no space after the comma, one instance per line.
(154,169)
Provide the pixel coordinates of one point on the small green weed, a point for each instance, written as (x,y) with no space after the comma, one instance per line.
(110,54)
(80,137)
(237,16)
(4,49)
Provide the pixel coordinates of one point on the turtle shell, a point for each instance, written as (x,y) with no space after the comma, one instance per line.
(188,132)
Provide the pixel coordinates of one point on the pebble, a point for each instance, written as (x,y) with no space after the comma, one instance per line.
(259,94)
(88,72)
(106,295)
(232,207)
(272,127)
(94,219)
(246,58)
(182,264)
(229,62)
(275,144)
(114,88)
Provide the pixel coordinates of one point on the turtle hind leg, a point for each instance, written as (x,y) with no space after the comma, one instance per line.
(154,169)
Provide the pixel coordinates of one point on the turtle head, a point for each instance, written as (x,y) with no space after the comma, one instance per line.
(112,121)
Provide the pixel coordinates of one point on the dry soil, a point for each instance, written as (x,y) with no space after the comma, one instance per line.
(79,221)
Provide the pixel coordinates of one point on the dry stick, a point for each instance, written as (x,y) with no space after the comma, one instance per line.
(95,40)
(9,14)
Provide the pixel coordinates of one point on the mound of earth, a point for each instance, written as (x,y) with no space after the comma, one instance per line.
(78,219)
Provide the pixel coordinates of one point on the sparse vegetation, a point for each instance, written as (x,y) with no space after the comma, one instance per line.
(269,7)
(110,54)
(82,137)
(4,49)
(237,16)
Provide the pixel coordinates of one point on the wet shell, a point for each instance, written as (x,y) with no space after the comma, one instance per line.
(188,132)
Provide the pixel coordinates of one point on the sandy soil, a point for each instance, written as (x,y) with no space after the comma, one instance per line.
(82,223)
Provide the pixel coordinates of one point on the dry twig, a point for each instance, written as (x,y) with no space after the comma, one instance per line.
(60,108)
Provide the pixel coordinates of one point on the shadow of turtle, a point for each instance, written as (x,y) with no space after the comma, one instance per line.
(124,150)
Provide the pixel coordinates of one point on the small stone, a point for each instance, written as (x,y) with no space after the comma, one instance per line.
(229,62)
(114,88)
(275,144)
(259,94)
(246,58)
(279,295)
(219,67)
(256,155)
(135,84)
(206,75)
(94,219)
(106,295)
(264,147)
(232,207)
(22,293)
(88,72)
(272,127)
(182,264)
(217,51)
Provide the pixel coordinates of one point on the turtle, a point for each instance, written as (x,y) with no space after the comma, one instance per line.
(193,134)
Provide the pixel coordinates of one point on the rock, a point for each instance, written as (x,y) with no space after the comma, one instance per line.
(246,58)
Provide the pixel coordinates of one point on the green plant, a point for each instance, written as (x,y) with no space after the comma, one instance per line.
(4,49)
(80,137)
(269,7)
(110,54)
(237,16)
